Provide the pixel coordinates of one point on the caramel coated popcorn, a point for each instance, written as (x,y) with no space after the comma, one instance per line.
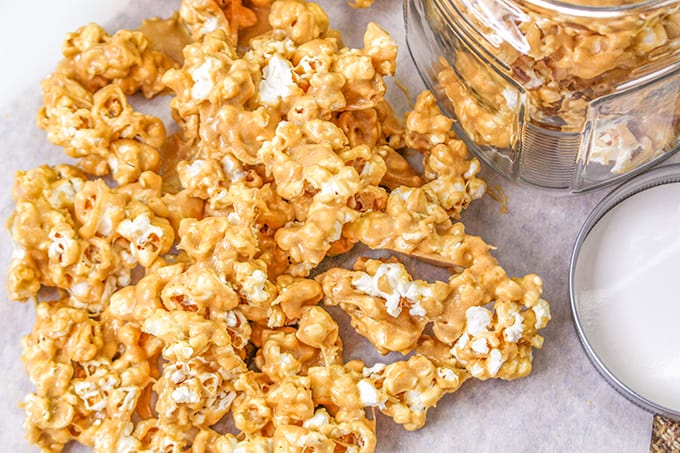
(185,267)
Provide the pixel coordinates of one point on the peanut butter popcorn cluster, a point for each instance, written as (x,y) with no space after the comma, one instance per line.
(175,277)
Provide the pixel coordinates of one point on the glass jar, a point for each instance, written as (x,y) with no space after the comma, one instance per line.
(568,95)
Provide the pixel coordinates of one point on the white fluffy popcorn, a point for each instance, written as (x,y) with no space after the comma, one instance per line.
(139,231)
(542,311)
(477,319)
(514,332)
(204,79)
(368,393)
(277,80)
(398,285)
(494,362)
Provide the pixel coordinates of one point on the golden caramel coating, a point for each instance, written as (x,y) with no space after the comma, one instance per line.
(382,49)
(290,352)
(414,224)
(81,377)
(184,298)
(470,340)
(426,126)
(216,240)
(200,289)
(148,234)
(407,389)
(392,310)
(300,21)
(574,46)
(65,229)
(100,128)
(295,295)
(451,176)
(203,17)
(193,392)
(491,121)
(91,236)
(94,59)
(385,304)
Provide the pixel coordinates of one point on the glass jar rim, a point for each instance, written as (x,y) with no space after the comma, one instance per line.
(575,8)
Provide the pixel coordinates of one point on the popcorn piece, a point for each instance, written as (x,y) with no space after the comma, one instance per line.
(216,239)
(285,353)
(148,234)
(206,16)
(401,286)
(202,290)
(451,174)
(492,118)
(196,392)
(101,128)
(456,311)
(203,17)
(66,240)
(79,379)
(410,389)
(499,344)
(187,335)
(385,305)
(382,49)
(300,21)
(276,81)
(414,224)
(337,387)
(94,59)
(295,295)
(426,126)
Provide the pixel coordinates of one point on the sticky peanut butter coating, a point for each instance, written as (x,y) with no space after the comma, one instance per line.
(182,265)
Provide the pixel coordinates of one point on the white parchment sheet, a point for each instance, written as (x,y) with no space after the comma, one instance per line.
(564,406)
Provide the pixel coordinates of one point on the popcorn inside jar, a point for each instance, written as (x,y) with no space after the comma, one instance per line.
(567,96)
(189,267)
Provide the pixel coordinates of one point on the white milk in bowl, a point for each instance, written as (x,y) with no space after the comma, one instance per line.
(625,286)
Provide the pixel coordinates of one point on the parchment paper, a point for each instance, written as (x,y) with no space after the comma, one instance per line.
(563,406)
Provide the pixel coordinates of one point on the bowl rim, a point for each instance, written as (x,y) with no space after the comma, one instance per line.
(666,174)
